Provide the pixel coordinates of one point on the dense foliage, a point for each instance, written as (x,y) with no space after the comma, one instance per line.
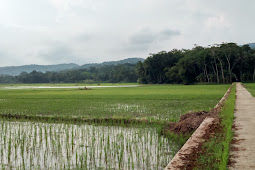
(222,63)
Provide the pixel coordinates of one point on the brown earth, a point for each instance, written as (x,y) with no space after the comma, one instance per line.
(191,158)
(189,122)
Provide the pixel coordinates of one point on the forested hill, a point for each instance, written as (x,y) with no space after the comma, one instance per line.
(108,63)
(16,70)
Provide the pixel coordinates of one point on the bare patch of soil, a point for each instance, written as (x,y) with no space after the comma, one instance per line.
(188,123)
(236,141)
(191,159)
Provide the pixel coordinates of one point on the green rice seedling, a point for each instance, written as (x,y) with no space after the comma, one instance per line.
(72,139)
(9,147)
(59,145)
(150,102)
(46,136)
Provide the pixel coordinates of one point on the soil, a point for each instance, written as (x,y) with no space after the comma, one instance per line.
(191,159)
(189,122)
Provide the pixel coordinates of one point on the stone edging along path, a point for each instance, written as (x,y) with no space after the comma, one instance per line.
(182,156)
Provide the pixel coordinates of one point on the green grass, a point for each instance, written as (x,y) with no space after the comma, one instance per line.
(216,151)
(250,87)
(153,102)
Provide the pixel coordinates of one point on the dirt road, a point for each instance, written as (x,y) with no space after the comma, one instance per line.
(243,154)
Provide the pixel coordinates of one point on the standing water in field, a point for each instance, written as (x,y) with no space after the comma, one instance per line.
(30,145)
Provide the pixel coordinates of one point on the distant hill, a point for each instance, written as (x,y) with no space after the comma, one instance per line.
(128,60)
(252,45)
(16,70)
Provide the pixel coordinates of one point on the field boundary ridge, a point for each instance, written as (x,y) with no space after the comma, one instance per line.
(182,158)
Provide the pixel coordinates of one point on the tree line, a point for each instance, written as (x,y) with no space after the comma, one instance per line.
(220,63)
(107,73)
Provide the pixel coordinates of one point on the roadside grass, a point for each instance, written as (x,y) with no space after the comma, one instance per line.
(215,152)
(250,87)
(149,102)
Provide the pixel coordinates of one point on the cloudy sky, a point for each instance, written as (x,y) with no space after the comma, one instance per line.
(85,31)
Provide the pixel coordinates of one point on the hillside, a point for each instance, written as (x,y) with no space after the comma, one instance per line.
(16,70)
(128,60)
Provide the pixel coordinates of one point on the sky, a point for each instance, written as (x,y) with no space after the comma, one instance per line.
(92,31)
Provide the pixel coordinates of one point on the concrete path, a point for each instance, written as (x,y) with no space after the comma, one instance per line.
(243,156)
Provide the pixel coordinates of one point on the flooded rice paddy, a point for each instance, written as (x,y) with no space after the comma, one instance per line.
(64,87)
(33,145)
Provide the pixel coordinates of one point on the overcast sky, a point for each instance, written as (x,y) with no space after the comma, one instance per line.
(85,31)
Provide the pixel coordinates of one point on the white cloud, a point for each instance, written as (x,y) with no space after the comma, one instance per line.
(217,22)
(40,32)
(145,39)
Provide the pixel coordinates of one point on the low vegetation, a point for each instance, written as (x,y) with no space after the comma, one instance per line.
(150,102)
(250,87)
(215,151)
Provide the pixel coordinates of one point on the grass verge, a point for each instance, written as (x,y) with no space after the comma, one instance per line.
(215,151)
(250,87)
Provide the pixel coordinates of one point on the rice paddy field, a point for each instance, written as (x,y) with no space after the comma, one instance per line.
(152,102)
(250,87)
(35,144)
